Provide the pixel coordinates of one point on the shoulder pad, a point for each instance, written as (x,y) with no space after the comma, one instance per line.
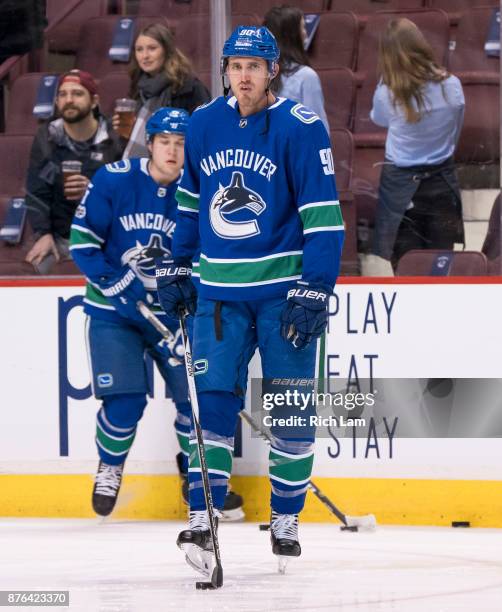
(304,114)
(123,165)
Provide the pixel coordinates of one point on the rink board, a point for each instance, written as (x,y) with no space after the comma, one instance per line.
(389,328)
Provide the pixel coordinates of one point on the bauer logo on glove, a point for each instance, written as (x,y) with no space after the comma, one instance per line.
(306,314)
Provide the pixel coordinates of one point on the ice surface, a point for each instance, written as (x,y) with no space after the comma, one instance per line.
(135,566)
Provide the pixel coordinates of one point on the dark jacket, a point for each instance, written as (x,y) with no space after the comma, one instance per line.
(49,211)
(192,94)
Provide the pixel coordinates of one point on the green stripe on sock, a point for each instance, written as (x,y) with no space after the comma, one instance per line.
(184,443)
(290,469)
(217,458)
(112,445)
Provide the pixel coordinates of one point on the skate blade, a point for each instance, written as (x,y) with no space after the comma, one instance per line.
(232,516)
(282,563)
(201,561)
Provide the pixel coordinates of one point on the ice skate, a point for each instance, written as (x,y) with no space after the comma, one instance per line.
(232,510)
(284,538)
(197,545)
(106,488)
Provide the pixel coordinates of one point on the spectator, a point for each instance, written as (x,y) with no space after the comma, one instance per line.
(296,79)
(160,76)
(81,134)
(419,205)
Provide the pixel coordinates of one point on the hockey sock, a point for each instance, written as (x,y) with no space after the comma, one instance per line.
(219,411)
(182,425)
(116,426)
(290,467)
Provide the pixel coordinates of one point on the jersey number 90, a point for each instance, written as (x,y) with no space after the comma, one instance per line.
(327,161)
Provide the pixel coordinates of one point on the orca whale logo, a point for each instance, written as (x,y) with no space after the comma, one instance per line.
(228,201)
(142,257)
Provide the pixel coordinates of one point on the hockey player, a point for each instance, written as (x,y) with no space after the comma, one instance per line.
(259,193)
(125,221)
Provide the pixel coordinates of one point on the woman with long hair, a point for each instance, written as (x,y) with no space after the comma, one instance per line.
(160,76)
(296,79)
(422,105)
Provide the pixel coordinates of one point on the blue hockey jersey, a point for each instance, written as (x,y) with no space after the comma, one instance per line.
(125,217)
(260,193)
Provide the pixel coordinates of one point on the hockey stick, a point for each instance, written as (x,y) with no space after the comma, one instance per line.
(351,523)
(217,577)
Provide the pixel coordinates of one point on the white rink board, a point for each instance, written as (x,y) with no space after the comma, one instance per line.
(410,330)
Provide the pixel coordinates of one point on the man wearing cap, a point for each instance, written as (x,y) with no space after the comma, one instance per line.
(79,134)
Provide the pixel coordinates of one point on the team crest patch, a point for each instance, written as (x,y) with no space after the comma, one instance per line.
(304,114)
(105,380)
(200,366)
(233,208)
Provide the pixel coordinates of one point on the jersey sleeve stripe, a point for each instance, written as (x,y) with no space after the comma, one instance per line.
(331,228)
(84,245)
(321,216)
(86,230)
(187,201)
(187,192)
(80,236)
(186,209)
(316,204)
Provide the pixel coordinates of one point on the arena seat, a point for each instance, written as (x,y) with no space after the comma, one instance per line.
(420,262)
(365,7)
(63,38)
(22,95)
(339,89)
(112,86)
(335,42)
(95,39)
(14,153)
(468,58)
(455,8)
(366,172)
(480,138)
(263,6)
(12,256)
(172,9)
(193,37)
(342,145)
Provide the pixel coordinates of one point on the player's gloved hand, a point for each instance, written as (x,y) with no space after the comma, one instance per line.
(175,287)
(306,314)
(123,290)
(172,350)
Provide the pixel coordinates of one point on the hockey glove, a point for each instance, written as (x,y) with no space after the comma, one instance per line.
(172,350)
(175,287)
(123,292)
(306,314)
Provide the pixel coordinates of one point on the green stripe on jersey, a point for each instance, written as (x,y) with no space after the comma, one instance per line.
(82,237)
(289,469)
(187,201)
(321,216)
(248,272)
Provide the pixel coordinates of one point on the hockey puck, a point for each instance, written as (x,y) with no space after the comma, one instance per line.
(204,586)
(460,524)
(264,527)
(353,528)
